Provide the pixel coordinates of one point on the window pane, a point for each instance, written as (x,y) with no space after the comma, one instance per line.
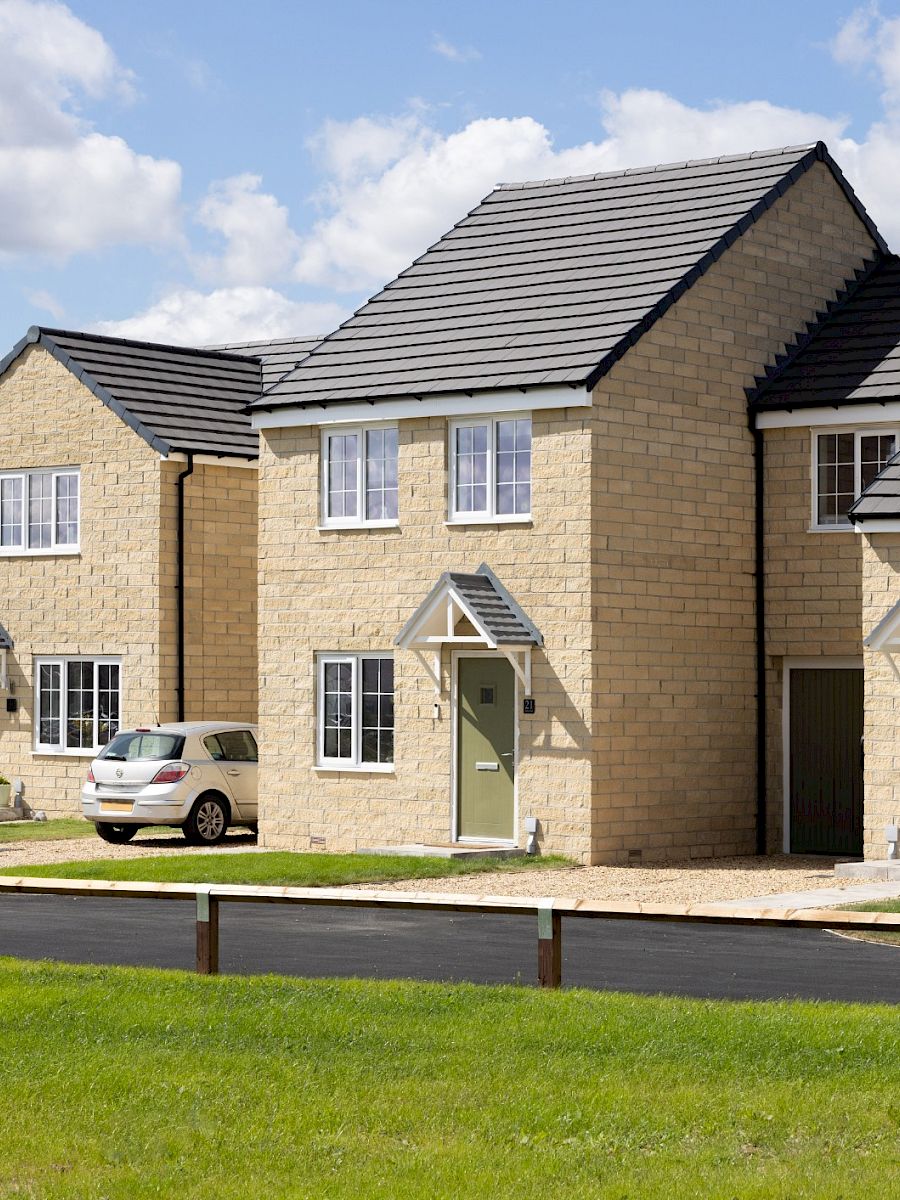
(238,745)
(67,510)
(381,475)
(40,511)
(337,717)
(836,455)
(79,705)
(471,463)
(11,510)
(49,703)
(343,455)
(108,702)
(514,467)
(377,710)
(874,451)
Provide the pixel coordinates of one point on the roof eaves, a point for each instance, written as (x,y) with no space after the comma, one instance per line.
(853,513)
(40,337)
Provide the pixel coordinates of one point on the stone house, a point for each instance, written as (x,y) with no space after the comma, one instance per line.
(525,566)
(128,498)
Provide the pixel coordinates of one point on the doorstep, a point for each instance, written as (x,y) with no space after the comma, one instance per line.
(883,869)
(461,850)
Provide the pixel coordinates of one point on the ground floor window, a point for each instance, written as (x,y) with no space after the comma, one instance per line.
(356,710)
(78,703)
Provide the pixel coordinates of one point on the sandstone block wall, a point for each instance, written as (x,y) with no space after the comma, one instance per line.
(880,592)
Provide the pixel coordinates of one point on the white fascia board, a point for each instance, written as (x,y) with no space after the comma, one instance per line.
(449,404)
(882,525)
(212,460)
(847,414)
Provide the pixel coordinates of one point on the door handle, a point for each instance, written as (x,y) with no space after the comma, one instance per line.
(232,772)
(487,766)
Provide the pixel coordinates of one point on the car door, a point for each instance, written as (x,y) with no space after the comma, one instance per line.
(236,755)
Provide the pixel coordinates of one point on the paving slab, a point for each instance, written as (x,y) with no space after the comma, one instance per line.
(820,897)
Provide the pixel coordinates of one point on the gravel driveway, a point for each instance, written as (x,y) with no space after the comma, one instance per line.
(694,882)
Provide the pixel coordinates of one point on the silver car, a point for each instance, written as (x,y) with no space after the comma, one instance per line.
(199,776)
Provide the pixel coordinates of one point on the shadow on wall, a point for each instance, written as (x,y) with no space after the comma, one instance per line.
(539,734)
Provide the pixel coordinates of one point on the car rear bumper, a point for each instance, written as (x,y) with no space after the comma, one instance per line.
(135,810)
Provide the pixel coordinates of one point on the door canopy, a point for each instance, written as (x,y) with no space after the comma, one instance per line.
(475,611)
(886,638)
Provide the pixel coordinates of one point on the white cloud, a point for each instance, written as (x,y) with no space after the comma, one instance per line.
(185,317)
(447,49)
(47,302)
(868,39)
(259,242)
(64,187)
(349,150)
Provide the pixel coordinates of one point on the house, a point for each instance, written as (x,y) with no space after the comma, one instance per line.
(558,578)
(128,494)
(830,416)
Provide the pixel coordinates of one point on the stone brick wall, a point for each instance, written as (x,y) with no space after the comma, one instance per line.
(354,589)
(880,592)
(673,539)
(103,601)
(220,591)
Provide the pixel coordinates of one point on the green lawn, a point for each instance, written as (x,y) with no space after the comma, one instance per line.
(120,1083)
(281,868)
(46,831)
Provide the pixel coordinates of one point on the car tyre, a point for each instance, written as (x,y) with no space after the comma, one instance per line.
(208,821)
(118,835)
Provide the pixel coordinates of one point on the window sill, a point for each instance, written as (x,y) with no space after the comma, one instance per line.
(47,752)
(362,526)
(524,521)
(54,552)
(365,769)
(833,529)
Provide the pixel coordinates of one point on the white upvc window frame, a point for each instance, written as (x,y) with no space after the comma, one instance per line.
(26,477)
(859,432)
(489,515)
(360,521)
(354,763)
(62,661)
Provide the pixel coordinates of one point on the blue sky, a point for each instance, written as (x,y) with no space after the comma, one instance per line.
(200,172)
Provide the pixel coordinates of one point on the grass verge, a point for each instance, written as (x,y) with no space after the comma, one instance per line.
(46,831)
(281,868)
(127,1084)
(892,906)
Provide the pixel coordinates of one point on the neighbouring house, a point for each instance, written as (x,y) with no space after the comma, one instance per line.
(830,416)
(527,563)
(128,519)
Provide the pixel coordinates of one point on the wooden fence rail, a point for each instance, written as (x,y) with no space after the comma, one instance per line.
(549,912)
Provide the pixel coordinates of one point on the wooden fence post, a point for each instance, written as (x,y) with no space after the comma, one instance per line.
(549,946)
(207,933)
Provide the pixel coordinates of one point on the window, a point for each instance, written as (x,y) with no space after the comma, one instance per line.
(232,745)
(38,512)
(78,703)
(356,711)
(144,747)
(845,463)
(359,476)
(490,469)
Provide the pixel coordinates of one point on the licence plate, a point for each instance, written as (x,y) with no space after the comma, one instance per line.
(115,806)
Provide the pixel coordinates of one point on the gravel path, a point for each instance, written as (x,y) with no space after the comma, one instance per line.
(694,882)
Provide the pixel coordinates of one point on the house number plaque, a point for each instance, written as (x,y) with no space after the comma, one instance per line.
(528,705)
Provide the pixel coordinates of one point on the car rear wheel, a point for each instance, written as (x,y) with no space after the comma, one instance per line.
(117,834)
(207,822)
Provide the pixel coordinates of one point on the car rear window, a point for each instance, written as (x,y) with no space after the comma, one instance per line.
(135,747)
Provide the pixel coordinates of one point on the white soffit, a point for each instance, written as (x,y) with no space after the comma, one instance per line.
(847,414)
(449,404)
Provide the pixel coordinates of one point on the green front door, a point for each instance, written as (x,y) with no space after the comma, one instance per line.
(485,767)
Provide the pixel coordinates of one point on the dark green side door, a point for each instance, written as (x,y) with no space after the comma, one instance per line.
(485,768)
(826,778)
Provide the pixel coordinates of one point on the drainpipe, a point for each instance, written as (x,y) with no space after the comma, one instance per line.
(189,470)
(760,581)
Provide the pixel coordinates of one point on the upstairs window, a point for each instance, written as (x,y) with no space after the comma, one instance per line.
(359,477)
(845,463)
(78,704)
(490,469)
(39,511)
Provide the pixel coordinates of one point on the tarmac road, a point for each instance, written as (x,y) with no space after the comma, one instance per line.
(634,956)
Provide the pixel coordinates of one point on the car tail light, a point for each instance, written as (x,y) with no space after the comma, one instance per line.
(171,773)
(90,777)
